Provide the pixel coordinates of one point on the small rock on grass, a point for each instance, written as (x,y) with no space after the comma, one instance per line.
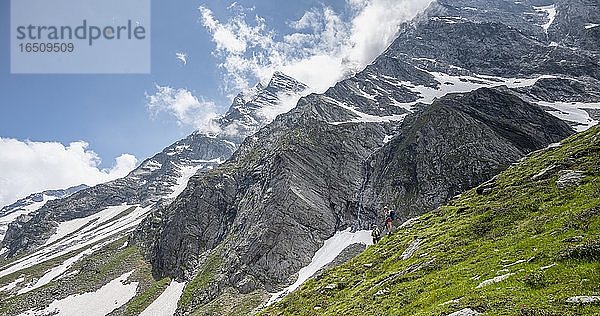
(465,312)
(583,299)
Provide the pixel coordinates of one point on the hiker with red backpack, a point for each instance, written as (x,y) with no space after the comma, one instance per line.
(390,217)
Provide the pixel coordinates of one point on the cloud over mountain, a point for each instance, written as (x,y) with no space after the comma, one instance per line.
(27,167)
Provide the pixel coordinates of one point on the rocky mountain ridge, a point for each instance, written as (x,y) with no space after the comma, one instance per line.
(158,180)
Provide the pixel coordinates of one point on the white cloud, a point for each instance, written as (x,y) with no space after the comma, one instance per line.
(28,167)
(287,102)
(182,57)
(184,106)
(322,49)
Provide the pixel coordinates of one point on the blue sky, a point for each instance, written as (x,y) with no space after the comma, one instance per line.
(230,45)
(108,111)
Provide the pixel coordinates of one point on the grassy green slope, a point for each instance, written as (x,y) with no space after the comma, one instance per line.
(546,239)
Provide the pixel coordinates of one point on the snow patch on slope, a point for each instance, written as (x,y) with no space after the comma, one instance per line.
(573,112)
(463,84)
(550,11)
(68,227)
(588,26)
(186,172)
(96,232)
(58,270)
(329,251)
(99,303)
(12,285)
(166,303)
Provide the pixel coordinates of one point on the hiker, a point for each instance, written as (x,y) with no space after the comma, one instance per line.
(389,220)
(393,215)
(376,234)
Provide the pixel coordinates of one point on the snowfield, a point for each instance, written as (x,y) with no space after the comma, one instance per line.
(573,112)
(551,12)
(186,173)
(166,303)
(99,303)
(325,255)
(109,224)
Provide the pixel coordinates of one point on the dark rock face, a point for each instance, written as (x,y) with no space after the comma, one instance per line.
(272,204)
(298,180)
(453,145)
(562,90)
(150,183)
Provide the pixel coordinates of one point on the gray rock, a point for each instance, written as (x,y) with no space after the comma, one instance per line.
(583,299)
(465,312)
(453,145)
(569,178)
(412,248)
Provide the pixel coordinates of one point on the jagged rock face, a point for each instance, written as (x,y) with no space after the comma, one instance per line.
(152,181)
(288,188)
(325,166)
(504,38)
(158,180)
(576,24)
(453,145)
(297,181)
(253,109)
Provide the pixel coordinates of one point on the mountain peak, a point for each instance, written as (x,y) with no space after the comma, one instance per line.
(249,108)
(284,83)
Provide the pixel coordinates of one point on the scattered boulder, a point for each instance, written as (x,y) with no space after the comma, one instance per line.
(485,188)
(545,173)
(589,251)
(583,299)
(569,178)
(409,223)
(331,286)
(412,248)
(573,239)
(465,312)
(494,280)
(454,301)
(382,292)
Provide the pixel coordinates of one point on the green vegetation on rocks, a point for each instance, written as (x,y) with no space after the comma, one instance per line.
(516,245)
(195,292)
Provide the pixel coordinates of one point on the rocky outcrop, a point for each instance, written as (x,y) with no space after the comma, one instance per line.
(455,144)
(287,189)
(569,178)
(321,167)
(424,122)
